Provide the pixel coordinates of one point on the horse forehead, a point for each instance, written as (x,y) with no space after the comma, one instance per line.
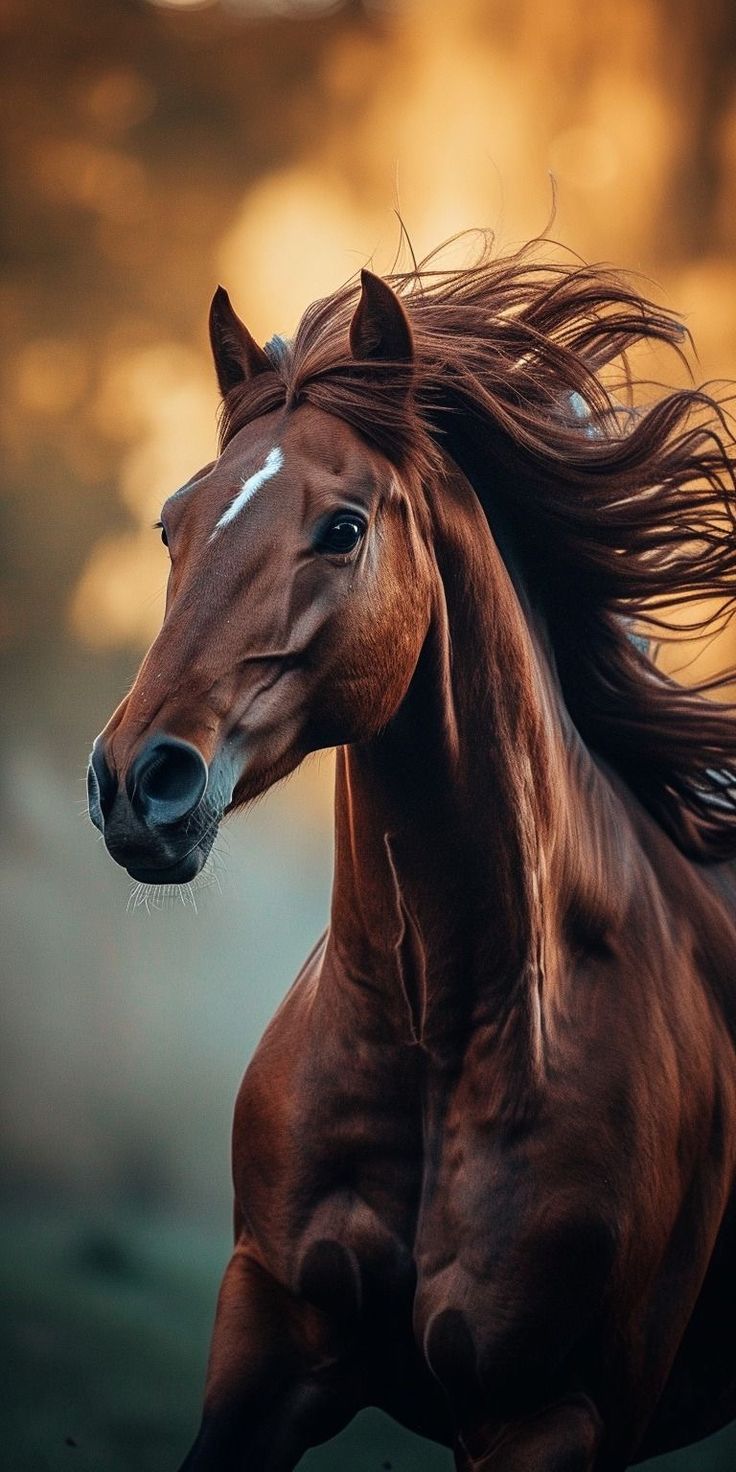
(309,438)
(313,437)
(295,460)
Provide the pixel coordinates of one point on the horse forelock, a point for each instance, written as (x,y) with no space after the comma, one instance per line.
(618,513)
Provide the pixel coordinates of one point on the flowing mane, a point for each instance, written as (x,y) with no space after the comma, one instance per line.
(618,513)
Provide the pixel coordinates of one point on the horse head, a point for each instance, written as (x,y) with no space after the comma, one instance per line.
(297,604)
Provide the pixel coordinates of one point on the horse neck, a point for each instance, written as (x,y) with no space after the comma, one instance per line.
(447,823)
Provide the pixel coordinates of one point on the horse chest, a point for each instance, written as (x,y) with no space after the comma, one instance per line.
(372,1187)
(328,1172)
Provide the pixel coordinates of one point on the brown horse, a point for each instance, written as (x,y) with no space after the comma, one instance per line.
(484,1156)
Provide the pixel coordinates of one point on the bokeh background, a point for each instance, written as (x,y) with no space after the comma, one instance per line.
(152,148)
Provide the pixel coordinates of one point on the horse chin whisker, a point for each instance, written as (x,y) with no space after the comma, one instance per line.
(212,872)
(147,898)
(135,898)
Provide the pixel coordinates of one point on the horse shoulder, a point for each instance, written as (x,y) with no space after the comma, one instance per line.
(325,1150)
(268,1102)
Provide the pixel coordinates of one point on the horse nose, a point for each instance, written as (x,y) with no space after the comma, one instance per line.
(167,781)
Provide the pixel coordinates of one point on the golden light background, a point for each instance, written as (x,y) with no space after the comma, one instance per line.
(173,145)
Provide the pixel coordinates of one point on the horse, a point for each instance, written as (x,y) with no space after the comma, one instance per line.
(484,1155)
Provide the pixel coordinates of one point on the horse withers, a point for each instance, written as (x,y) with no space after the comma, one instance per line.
(484,1155)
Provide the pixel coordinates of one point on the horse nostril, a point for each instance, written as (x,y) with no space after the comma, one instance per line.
(167,780)
(101,787)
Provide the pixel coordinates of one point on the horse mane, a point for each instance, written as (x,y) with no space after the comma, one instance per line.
(619,513)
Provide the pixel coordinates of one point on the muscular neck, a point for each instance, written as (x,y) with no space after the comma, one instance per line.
(449,824)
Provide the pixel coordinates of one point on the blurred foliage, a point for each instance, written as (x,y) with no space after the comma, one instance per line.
(150,148)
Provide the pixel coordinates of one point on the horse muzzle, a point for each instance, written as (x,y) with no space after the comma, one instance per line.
(160,820)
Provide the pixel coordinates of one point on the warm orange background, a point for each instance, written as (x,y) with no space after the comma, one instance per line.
(156,148)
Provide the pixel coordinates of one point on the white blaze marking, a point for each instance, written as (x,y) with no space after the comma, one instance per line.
(271,466)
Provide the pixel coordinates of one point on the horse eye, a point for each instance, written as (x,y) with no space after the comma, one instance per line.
(342,534)
(159,526)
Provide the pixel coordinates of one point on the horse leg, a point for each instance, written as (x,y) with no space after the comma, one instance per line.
(565,1437)
(275,1385)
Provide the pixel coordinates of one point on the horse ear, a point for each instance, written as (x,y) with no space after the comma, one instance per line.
(237,355)
(380,327)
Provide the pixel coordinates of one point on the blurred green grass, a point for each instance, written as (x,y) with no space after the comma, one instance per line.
(103,1345)
(105,1335)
